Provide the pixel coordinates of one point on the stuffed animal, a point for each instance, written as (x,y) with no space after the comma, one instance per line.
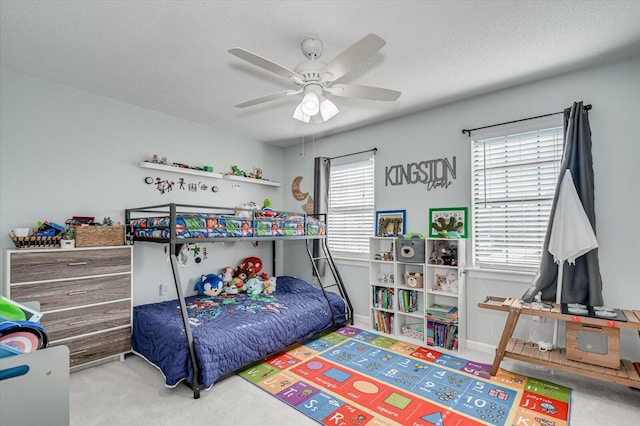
(227,275)
(440,249)
(253,286)
(267,211)
(250,265)
(247,209)
(269,286)
(209,285)
(255,263)
(238,281)
(452,281)
(230,288)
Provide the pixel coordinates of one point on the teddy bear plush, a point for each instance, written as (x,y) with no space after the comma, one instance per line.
(269,286)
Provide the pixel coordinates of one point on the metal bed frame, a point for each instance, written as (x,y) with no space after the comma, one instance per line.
(172,210)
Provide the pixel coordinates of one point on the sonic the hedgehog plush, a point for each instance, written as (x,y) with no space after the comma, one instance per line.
(209,285)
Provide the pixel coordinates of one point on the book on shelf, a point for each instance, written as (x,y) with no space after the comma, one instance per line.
(442,313)
(383,297)
(437,308)
(408,301)
(383,321)
(442,335)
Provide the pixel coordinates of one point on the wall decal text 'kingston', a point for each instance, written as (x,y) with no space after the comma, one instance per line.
(433,173)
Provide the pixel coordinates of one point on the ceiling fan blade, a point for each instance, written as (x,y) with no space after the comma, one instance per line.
(352,56)
(268,98)
(265,64)
(363,92)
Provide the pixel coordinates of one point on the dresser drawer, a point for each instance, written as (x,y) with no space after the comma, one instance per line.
(61,264)
(74,322)
(69,294)
(93,348)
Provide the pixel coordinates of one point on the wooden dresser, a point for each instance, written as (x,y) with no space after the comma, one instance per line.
(84,294)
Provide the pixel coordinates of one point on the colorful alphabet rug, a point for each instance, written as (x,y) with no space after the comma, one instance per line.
(353,377)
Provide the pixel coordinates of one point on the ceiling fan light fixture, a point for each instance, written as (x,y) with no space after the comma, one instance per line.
(299,115)
(310,104)
(327,109)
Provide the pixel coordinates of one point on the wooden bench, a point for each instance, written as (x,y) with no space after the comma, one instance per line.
(556,358)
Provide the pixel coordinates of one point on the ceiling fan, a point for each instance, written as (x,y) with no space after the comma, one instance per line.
(315,78)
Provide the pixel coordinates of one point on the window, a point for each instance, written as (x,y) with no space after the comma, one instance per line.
(514,180)
(351,207)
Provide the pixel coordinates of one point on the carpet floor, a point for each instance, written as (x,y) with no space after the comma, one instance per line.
(133,393)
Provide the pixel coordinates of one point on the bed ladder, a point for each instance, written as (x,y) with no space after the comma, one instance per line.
(316,262)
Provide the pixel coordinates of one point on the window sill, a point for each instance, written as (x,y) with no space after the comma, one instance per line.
(516,277)
(351,261)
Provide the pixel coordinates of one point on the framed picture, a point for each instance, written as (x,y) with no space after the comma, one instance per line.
(449,222)
(390,223)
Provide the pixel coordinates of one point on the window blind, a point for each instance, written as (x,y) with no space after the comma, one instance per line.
(514,180)
(351,216)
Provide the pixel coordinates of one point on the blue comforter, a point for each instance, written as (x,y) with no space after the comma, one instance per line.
(230,332)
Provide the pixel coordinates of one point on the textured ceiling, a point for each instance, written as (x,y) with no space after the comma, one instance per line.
(171,56)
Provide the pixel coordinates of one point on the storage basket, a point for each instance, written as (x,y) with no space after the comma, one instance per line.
(35,242)
(415,331)
(99,236)
(414,280)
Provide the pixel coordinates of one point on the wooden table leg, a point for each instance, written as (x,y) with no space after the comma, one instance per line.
(509,327)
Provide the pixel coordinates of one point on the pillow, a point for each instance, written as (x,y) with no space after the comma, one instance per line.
(286,284)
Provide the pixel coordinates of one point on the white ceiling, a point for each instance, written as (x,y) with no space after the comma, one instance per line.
(171,56)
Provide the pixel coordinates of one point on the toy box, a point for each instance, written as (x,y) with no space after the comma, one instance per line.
(99,236)
(410,250)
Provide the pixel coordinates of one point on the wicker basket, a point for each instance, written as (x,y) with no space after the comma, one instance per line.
(35,242)
(415,331)
(99,236)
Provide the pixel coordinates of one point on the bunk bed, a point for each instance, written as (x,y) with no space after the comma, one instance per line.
(198,340)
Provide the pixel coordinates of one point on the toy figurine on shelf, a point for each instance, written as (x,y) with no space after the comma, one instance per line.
(257,173)
(237,172)
(155,159)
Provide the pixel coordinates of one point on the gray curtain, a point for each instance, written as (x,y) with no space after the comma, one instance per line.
(581,282)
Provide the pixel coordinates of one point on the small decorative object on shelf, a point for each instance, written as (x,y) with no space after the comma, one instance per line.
(390,223)
(449,222)
(68,239)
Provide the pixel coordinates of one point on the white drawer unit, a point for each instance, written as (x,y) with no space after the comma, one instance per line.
(84,295)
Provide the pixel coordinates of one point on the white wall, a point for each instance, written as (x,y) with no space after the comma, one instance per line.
(64,152)
(613,90)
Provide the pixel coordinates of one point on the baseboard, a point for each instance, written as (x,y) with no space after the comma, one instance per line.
(481,347)
(361,321)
